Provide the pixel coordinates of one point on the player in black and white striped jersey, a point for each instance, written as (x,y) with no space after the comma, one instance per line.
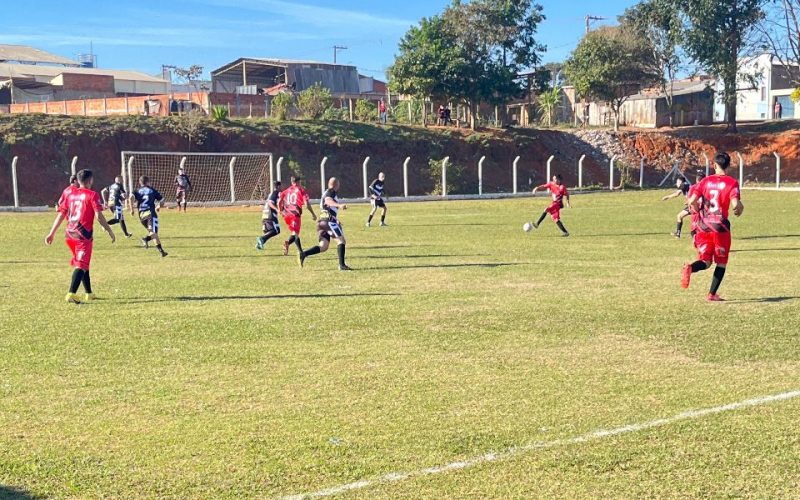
(376,190)
(328,226)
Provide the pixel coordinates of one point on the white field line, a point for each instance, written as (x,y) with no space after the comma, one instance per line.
(395,477)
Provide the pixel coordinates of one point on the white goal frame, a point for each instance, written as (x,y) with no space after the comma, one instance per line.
(257,179)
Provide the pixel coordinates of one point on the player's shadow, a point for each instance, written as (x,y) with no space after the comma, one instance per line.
(490,265)
(615,235)
(795,249)
(770,237)
(422,256)
(468,224)
(763,300)
(202,298)
(12,493)
(382,247)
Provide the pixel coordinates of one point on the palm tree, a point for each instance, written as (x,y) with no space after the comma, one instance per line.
(548,102)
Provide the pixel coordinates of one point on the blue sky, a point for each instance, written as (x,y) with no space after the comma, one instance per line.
(145,34)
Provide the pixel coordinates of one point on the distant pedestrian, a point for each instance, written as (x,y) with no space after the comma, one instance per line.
(447,120)
(382,111)
(778,110)
(441,116)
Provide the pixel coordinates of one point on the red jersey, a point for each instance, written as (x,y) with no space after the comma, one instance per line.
(717,191)
(293,199)
(80,207)
(693,191)
(66,192)
(558,192)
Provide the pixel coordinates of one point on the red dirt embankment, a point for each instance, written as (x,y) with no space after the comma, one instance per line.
(757,143)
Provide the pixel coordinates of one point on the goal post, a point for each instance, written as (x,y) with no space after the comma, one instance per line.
(217,179)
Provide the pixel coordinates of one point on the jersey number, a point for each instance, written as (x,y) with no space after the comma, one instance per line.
(75,209)
(291,199)
(714,201)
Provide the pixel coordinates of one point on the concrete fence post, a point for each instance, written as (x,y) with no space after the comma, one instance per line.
(708,164)
(322,174)
(271,173)
(445,163)
(127,106)
(777,170)
(233,185)
(14,181)
(365,166)
(611,173)
(514,173)
(405,176)
(641,172)
(130,178)
(278,167)
(480,175)
(74,165)
(741,169)
(580,171)
(549,169)
(123,171)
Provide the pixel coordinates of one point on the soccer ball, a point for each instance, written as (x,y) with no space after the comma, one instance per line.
(527,227)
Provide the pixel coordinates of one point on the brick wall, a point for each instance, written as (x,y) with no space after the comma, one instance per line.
(94,83)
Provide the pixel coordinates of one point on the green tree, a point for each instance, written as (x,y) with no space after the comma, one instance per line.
(365,111)
(779,33)
(281,104)
(796,95)
(718,34)
(426,62)
(610,64)
(314,101)
(659,21)
(548,103)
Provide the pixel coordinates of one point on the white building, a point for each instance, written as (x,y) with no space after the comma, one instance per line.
(773,84)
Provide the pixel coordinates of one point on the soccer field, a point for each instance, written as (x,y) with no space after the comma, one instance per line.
(464,357)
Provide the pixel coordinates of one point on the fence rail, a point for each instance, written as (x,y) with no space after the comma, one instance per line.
(768,172)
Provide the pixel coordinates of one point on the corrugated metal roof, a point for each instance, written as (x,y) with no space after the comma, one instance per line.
(33,70)
(25,54)
(680,87)
(277,62)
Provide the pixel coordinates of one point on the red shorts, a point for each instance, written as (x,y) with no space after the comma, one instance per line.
(293,222)
(713,247)
(554,210)
(81,253)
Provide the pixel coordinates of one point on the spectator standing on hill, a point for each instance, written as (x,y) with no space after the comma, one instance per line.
(778,110)
(382,111)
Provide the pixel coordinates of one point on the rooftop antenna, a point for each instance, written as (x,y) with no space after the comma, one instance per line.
(337,48)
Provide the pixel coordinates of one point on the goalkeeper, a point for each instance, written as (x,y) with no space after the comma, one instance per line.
(183,186)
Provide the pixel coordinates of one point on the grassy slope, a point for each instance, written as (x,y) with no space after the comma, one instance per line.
(220,372)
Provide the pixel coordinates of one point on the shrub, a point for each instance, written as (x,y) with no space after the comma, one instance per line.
(366,111)
(219,113)
(796,95)
(281,104)
(409,111)
(458,182)
(335,114)
(314,101)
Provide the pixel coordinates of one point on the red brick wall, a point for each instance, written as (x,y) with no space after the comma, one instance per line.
(96,83)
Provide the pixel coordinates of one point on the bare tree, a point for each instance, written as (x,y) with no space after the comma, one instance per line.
(780,34)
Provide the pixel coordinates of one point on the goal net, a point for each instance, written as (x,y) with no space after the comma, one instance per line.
(217,179)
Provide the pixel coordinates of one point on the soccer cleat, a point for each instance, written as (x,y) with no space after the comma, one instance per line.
(259,244)
(676,235)
(145,243)
(345,268)
(88,297)
(301,259)
(164,254)
(565,235)
(128,236)
(285,248)
(383,224)
(369,224)
(72,298)
(535,225)
(686,275)
(713,297)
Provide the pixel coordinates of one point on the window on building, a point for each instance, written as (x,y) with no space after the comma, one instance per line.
(763,93)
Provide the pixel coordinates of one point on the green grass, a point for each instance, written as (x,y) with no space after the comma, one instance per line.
(222,372)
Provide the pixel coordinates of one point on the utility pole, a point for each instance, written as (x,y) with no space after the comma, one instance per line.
(337,48)
(589,20)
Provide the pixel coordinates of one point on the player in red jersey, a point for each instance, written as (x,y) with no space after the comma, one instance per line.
(713,239)
(559,191)
(80,207)
(73,184)
(683,187)
(695,214)
(291,203)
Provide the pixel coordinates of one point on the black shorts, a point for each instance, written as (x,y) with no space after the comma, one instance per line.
(378,203)
(270,226)
(328,229)
(149,220)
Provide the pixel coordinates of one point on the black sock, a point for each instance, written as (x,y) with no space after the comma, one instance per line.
(312,251)
(698,266)
(297,243)
(561,227)
(77,279)
(544,214)
(87,282)
(341,250)
(113,221)
(370,218)
(124,228)
(383,217)
(160,249)
(679,227)
(291,239)
(267,236)
(719,273)
(148,238)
